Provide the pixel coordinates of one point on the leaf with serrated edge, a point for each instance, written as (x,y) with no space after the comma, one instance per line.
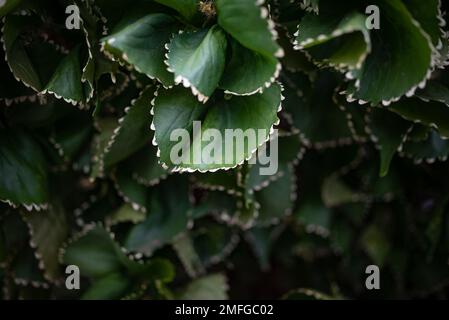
(198,60)
(142,44)
(177,109)
(244,19)
(23,169)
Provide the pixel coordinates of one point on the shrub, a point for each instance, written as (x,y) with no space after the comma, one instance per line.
(87,177)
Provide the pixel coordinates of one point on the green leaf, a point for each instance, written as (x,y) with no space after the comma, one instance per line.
(335,192)
(214,242)
(98,256)
(66,80)
(144,166)
(314,215)
(431,113)
(236,78)
(185,250)
(142,44)
(317,102)
(246,21)
(428,15)
(71,134)
(17,58)
(340,41)
(276,200)
(187,8)
(95,253)
(376,244)
(49,230)
(306,294)
(108,287)
(430,108)
(431,149)
(7,6)
(262,241)
(130,190)
(133,131)
(388,131)
(177,109)
(23,169)
(167,217)
(397,65)
(126,213)
(198,60)
(211,287)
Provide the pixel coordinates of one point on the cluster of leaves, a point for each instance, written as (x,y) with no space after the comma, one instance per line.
(86,177)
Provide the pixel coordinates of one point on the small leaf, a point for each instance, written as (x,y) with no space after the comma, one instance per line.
(108,287)
(198,60)
(7,6)
(183,246)
(95,253)
(340,42)
(187,8)
(167,217)
(133,131)
(142,44)
(236,78)
(49,230)
(211,287)
(66,80)
(246,21)
(389,132)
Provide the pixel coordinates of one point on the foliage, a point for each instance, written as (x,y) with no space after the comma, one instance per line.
(85,170)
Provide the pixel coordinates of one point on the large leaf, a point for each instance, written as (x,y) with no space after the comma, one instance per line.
(429,16)
(397,65)
(177,109)
(198,59)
